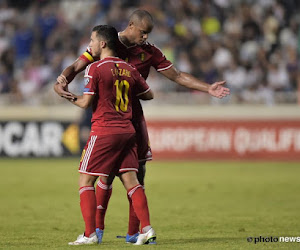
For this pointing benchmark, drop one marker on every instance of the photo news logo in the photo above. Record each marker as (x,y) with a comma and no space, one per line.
(281,239)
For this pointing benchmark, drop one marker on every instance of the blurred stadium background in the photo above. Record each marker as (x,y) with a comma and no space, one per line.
(253,45)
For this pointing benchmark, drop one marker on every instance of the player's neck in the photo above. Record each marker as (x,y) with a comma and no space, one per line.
(123,36)
(107,53)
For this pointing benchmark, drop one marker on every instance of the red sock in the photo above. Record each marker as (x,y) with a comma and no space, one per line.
(103,193)
(140,205)
(88,208)
(134,222)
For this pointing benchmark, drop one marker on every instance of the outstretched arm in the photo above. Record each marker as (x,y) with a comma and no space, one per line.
(67,76)
(187,80)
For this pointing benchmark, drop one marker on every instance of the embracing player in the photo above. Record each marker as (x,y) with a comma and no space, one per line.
(110,85)
(134,48)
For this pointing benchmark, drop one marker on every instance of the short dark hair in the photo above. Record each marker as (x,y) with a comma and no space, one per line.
(140,15)
(108,33)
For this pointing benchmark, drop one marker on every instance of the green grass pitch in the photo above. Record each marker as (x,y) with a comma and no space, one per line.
(193,205)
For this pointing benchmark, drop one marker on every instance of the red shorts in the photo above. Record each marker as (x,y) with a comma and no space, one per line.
(106,154)
(142,139)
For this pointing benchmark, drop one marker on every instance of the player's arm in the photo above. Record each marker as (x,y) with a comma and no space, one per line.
(141,87)
(70,72)
(91,88)
(216,89)
(148,95)
(82,101)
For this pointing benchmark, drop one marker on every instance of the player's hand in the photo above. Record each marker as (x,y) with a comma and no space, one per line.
(62,80)
(218,90)
(63,91)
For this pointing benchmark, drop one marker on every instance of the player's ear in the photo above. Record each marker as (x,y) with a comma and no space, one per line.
(131,24)
(102,44)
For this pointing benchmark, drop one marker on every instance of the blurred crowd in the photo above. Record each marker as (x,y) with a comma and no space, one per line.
(251,44)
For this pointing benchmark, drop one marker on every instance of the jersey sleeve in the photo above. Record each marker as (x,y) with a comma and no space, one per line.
(160,62)
(140,87)
(90,80)
(87,56)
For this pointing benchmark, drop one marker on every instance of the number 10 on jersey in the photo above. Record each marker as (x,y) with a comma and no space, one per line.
(122,88)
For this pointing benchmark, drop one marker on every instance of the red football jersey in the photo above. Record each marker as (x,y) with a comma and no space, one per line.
(114,84)
(142,57)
